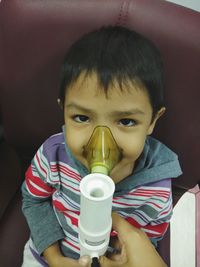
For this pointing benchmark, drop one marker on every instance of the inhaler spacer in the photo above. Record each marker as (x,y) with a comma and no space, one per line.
(97,189)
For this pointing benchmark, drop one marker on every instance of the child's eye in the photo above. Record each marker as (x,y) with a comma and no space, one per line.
(127,122)
(81,118)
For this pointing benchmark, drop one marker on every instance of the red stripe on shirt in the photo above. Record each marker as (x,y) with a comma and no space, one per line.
(159,229)
(69,243)
(38,160)
(32,180)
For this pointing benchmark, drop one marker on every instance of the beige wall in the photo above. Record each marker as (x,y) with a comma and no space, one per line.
(194,4)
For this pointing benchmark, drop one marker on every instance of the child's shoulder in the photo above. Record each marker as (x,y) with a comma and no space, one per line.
(158,160)
(157,150)
(54,140)
(53,148)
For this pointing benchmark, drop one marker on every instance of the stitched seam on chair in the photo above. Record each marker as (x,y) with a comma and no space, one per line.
(120,14)
(123,13)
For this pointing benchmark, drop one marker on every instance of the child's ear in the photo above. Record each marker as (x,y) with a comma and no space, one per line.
(60,104)
(156,117)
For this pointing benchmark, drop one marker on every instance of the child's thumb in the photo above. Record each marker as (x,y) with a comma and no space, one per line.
(104,261)
(85,261)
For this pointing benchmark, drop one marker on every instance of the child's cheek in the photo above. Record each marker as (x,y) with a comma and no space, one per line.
(133,150)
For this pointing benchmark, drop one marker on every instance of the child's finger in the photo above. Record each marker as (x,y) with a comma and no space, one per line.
(121,226)
(85,261)
(105,262)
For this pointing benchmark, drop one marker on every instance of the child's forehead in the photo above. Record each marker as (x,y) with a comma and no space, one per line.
(87,93)
(93,80)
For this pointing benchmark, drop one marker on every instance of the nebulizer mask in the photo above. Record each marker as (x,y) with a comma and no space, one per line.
(97,188)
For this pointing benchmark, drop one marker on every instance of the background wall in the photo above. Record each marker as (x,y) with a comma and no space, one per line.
(194,4)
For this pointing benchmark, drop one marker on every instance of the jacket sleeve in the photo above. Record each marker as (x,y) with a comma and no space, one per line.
(37,204)
(157,228)
(154,215)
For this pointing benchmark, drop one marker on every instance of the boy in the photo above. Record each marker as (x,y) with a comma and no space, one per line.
(111,77)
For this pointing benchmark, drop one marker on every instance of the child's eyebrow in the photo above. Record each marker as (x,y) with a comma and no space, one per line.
(116,113)
(76,106)
(134,111)
(127,113)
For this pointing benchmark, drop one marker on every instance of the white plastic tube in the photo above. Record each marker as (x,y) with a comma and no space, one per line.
(95,220)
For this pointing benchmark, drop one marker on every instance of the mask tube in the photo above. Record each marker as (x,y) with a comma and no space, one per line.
(96,190)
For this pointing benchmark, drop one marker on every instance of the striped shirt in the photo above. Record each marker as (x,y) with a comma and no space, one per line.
(51,195)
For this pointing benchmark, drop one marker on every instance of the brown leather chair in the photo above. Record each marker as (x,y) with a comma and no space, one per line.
(34,36)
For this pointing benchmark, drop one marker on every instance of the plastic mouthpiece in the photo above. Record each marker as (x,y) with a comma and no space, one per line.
(95,262)
(102,151)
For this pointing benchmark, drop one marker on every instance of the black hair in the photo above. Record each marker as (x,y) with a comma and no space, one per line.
(119,54)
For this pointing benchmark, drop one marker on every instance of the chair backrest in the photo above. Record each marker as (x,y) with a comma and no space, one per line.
(34,36)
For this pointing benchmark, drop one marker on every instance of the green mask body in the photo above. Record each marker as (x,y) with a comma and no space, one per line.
(102,152)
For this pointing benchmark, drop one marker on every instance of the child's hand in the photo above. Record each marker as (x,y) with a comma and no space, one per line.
(54,258)
(68,262)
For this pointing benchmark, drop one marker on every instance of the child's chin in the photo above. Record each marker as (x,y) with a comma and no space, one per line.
(83,161)
(121,170)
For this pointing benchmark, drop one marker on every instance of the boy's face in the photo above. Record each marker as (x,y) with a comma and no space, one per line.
(127,113)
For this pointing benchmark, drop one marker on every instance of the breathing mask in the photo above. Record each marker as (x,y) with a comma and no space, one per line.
(102,152)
